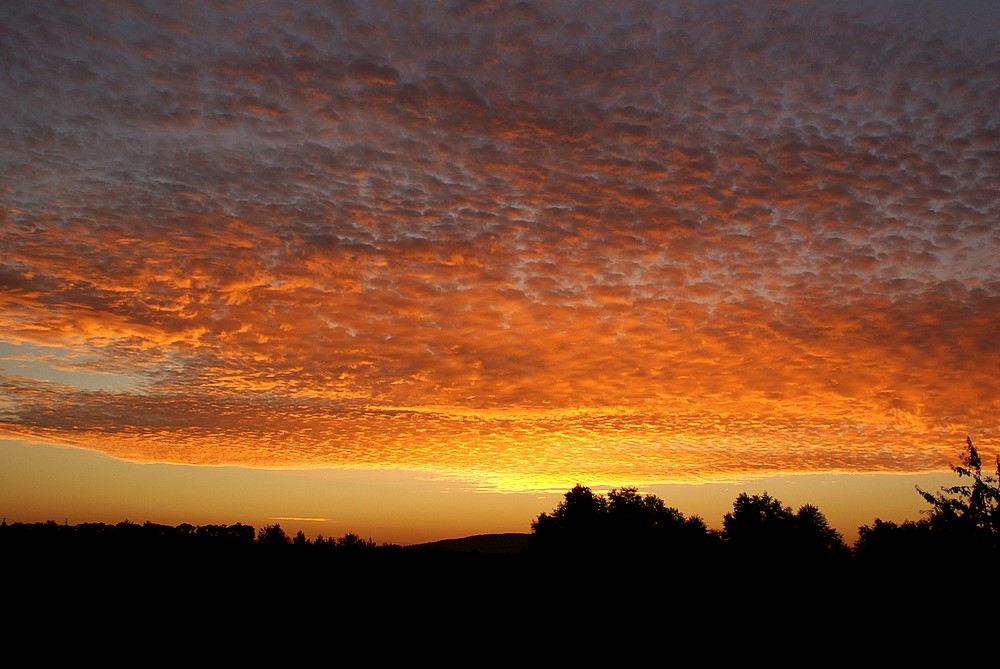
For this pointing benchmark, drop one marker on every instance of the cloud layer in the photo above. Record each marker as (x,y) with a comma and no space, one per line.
(631,241)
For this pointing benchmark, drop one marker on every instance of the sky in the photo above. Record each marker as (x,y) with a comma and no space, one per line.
(415,269)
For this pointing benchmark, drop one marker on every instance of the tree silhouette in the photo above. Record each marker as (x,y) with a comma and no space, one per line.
(581,510)
(354,542)
(631,513)
(815,536)
(575,524)
(623,526)
(645,522)
(272,535)
(968,516)
(887,543)
(757,521)
(761,528)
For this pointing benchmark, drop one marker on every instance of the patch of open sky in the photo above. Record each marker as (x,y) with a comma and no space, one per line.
(58,365)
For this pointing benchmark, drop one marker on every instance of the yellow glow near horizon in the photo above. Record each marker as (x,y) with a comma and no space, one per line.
(41,483)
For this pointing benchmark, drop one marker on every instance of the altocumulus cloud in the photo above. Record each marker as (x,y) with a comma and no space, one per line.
(513,241)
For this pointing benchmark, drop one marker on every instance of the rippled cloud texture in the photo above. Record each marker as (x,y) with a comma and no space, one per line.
(514,241)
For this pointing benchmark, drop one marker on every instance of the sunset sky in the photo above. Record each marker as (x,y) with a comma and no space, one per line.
(413,270)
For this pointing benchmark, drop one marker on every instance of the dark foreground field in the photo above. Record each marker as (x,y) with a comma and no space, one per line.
(146,583)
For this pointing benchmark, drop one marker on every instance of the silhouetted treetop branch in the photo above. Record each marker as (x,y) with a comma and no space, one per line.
(970,513)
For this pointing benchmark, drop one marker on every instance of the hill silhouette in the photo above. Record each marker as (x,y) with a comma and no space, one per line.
(502,543)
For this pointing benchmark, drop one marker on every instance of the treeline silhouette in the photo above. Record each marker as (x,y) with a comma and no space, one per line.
(623,541)
(153,536)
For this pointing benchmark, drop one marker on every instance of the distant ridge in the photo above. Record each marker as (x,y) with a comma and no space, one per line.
(511,542)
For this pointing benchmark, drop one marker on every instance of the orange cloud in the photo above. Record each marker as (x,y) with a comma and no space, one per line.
(510,242)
